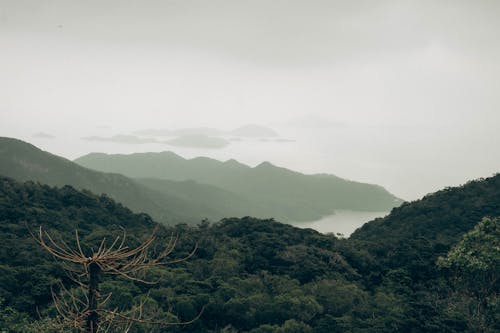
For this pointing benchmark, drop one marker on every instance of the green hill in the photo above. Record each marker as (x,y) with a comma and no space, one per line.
(269,190)
(416,233)
(232,254)
(23,161)
(26,272)
(258,276)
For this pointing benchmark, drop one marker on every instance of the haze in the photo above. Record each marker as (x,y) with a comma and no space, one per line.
(405,94)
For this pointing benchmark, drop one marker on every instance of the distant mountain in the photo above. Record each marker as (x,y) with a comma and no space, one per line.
(270,190)
(217,203)
(249,131)
(23,161)
(200,188)
(198,141)
(254,131)
(125,139)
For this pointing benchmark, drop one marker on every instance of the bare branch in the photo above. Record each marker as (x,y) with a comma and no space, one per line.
(86,310)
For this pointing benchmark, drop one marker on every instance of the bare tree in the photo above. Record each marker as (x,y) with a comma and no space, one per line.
(83,309)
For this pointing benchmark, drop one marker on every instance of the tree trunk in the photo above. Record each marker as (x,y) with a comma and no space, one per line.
(93,317)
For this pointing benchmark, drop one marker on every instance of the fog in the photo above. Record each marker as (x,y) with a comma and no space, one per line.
(405,94)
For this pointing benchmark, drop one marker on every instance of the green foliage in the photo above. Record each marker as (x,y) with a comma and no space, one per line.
(10,319)
(474,265)
(478,252)
(254,275)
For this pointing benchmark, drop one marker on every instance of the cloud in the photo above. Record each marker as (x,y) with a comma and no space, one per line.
(199,141)
(126,139)
(42,135)
(263,31)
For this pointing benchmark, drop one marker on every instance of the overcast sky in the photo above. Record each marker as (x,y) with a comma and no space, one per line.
(405,94)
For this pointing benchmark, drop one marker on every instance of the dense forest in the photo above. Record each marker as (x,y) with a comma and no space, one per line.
(423,268)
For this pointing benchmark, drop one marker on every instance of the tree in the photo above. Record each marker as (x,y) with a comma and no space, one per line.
(474,264)
(83,309)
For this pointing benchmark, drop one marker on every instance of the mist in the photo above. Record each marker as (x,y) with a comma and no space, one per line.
(404,94)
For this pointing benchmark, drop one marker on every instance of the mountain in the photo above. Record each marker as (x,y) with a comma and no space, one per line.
(219,189)
(254,131)
(270,191)
(218,203)
(23,161)
(198,141)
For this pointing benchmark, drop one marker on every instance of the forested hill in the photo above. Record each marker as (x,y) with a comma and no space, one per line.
(278,190)
(247,273)
(258,276)
(416,233)
(26,272)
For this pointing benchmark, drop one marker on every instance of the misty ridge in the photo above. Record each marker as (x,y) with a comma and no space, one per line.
(174,189)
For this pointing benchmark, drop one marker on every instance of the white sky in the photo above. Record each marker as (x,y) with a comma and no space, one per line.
(405,94)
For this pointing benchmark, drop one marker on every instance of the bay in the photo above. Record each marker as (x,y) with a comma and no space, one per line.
(344,222)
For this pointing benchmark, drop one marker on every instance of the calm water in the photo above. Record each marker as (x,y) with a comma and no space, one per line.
(343,221)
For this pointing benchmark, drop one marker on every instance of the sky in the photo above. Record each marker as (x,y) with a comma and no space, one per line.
(405,94)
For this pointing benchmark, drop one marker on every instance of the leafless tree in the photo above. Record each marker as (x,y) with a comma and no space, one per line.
(83,309)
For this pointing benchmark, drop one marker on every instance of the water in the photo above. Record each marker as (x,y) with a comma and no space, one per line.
(343,221)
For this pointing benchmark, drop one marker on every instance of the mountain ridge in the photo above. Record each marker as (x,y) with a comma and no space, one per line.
(23,161)
(288,190)
(233,189)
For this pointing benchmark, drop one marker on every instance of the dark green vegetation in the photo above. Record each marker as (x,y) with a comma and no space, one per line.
(474,265)
(268,191)
(175,201)
(263,276)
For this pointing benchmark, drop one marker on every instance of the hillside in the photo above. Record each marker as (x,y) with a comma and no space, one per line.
(220,203)
(23,161)
(416,233)
(232,254)
(26,272)
(250,275)
(275,191)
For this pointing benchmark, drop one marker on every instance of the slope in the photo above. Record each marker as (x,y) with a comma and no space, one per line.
(23,161)
(415,234)
(274,191)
